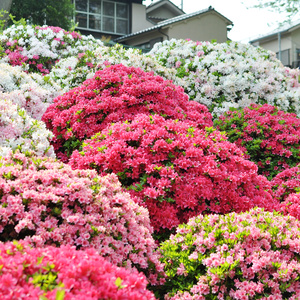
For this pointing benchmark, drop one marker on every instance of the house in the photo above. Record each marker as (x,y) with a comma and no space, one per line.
(203,25)
(131,23)
(285,42)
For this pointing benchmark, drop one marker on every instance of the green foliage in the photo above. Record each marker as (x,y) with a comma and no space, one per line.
(51,12)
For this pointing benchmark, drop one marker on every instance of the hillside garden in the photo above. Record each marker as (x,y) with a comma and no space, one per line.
(169,175)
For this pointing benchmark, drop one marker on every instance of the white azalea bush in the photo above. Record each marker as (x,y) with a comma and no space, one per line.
(230,74)
(33,92)
(37,48)
(74,70)
(18,131)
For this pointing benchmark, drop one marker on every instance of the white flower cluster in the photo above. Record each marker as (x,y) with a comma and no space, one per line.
(44,45)
(230,74)
(72,71)
(18,131)
(33,92)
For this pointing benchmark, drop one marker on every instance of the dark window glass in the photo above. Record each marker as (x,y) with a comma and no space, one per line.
(109,9)
(95,22)
(81,19)
(95,6)
(122,11)
(81,5)
(108,24)
(122,26)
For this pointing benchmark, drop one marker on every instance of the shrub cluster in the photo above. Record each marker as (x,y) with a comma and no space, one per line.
(37,49)
(18,131)
(65,273)
(72,71)
(268,136)
(116,93)
(252,255)
(33,92)
(286,187)
(175,169)
(45,202)
(232,74)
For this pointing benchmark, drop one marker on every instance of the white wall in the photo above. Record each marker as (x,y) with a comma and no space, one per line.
(139,21)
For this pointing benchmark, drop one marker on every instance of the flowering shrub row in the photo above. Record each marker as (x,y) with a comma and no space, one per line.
(252,255)
(37,49)
(32,92)
(269,137)
(65,273)
(74,70)
(18,131)
(45,202)
(230,74)
(175,169)
(116,93)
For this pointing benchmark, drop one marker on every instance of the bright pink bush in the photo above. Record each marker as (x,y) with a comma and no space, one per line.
(251,255)
(45,202)
(286,187)
(176,170)
(114,94)
(268,136)
(65,273)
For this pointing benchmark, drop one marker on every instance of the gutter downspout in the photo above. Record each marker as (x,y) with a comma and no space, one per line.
(279,46)
(159,30)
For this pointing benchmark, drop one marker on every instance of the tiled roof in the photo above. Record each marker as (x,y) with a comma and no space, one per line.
(167,22)
(281,29)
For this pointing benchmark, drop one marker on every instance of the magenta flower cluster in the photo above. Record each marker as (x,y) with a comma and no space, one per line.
(252,255)
(286,187)
(116,93)
(175,169)
(45,202)
(65,273)
(269,137)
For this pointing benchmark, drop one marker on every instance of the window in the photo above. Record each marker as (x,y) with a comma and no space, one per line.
(285,57)
(100,15)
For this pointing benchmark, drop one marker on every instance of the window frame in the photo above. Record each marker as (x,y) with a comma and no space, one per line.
(88,14)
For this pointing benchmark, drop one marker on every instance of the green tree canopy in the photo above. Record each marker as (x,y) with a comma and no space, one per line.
(51,12)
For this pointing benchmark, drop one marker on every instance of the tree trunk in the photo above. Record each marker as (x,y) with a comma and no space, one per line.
(5,5)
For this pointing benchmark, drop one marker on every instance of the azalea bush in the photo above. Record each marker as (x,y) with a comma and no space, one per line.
(268,136)
(45,202)
(65,273)
(232,74)
(175,169)
(72,71)
(18,131)
(286,187)
(116,93)
(37,48)
(33,92)
(251,255)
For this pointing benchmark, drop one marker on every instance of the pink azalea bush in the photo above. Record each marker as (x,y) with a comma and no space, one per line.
(175,169)
(37,48)
(286,187)
(232,74)
(251,255)
(65,273)
(268,136)
(45,202)
(116,93)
